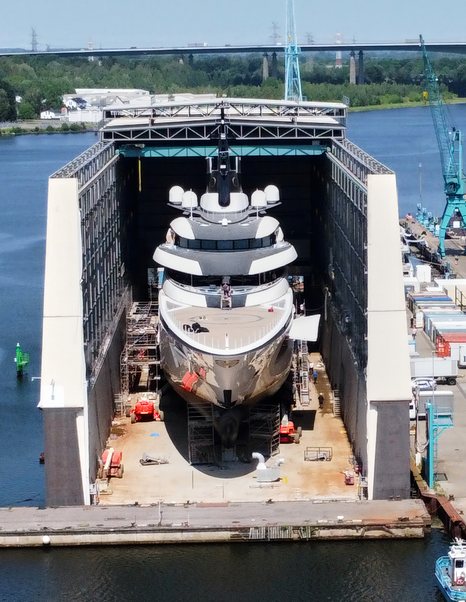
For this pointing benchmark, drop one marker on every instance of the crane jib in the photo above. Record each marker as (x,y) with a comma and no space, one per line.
(449,141)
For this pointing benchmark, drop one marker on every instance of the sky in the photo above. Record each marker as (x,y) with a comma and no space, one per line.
(152,23)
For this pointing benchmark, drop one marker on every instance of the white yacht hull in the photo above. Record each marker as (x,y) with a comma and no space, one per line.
(229,383)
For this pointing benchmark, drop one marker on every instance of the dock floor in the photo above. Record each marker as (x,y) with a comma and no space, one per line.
(177,481)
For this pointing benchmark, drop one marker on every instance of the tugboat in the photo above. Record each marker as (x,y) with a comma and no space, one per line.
(450,571)
(226,307)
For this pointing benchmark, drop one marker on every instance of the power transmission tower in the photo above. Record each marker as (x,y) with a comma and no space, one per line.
(33,40)
(275,36)
(292,76)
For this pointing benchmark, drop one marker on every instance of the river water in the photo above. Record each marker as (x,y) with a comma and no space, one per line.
(404,141)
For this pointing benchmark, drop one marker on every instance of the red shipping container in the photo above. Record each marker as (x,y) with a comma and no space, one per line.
(442,343)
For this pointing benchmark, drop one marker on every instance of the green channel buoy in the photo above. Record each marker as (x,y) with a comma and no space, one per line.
(21,361)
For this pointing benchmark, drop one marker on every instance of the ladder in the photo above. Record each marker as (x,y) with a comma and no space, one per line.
(336,403)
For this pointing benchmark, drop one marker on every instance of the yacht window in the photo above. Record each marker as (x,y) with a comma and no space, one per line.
(216,280)
(459,564)
(227,245)
(241,244)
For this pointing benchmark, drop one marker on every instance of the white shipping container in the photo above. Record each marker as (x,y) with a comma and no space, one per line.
(440,368)
(424,272)
(419,319)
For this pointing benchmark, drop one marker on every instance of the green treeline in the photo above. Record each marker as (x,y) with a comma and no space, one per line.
(41,81)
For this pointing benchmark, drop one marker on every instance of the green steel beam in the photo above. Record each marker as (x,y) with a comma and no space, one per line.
(131,150)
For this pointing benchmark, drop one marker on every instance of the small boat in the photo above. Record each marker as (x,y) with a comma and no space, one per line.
(450,571)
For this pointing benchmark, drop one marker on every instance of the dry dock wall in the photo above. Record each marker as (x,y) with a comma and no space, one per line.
(63,395)
(84,320)
(388,368)
(364,339)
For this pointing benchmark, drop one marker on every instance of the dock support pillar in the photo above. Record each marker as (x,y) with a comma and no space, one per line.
(265,67)
(360,68)
(352,68)
(274,70)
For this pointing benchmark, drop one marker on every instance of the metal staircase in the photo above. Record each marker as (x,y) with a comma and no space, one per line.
(300,372)
(336,403)
(439,419)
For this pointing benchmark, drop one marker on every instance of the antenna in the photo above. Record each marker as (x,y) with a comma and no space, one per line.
(292,76)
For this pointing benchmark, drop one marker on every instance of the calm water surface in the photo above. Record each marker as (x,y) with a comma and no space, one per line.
(403,140)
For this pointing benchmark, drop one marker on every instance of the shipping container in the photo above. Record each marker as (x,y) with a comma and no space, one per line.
(443,369)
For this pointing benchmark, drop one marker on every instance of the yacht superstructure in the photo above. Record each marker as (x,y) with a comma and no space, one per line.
(226,307)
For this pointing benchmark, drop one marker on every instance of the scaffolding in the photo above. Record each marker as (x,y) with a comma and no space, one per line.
(264,427)
(300,371)
(259,432)
(201,436)
(140,358)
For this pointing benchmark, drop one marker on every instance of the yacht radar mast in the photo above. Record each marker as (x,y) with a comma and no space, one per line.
(223,179)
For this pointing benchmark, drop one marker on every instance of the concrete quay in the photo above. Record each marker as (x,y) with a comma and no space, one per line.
(203,523)
(448,499)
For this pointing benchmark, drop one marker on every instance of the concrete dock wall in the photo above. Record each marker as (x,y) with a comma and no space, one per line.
(364,342)
(102,393)
(388,369)
(345,378)
(200,523)
(63,397)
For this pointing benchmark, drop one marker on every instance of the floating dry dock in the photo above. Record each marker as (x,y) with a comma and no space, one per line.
(203,523)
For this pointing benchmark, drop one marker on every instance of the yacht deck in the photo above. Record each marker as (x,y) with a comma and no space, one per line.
(227,329)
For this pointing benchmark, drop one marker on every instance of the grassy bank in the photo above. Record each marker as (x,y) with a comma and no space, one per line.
(403,105)
(37,126)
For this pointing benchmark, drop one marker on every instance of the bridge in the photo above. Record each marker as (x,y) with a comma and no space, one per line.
(356,47)
(356,65)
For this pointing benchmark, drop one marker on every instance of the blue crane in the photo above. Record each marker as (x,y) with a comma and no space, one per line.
(451,152)
(292,75)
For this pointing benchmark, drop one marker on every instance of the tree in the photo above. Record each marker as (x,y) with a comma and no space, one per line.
(26,110)
(7,102)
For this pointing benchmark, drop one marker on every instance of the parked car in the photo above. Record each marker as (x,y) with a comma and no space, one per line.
(424,384)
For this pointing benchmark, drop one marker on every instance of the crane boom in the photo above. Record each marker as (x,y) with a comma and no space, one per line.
(449,141)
